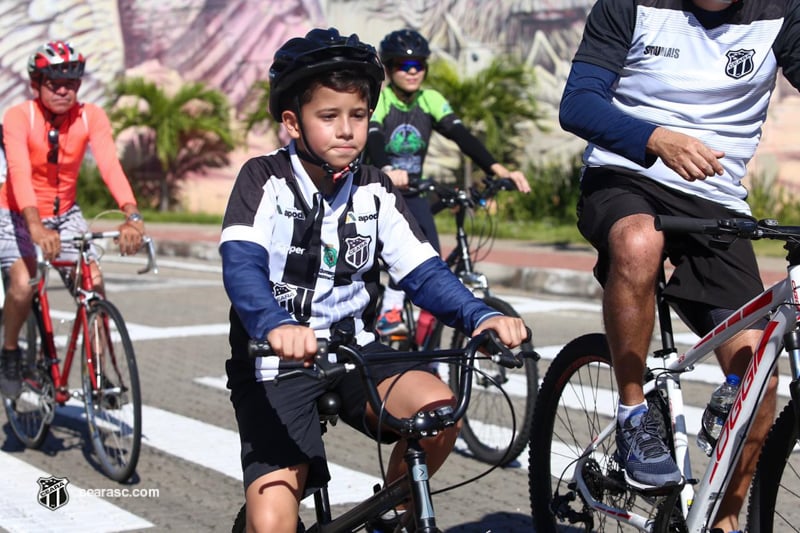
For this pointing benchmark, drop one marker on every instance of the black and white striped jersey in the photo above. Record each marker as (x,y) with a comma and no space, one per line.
(695,72)
(324,252)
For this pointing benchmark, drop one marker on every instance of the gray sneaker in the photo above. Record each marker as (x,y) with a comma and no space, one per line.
(10,373)
(648,463)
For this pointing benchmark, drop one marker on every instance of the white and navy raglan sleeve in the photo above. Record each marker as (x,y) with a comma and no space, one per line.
(244,245)
(586,108)
(787,45)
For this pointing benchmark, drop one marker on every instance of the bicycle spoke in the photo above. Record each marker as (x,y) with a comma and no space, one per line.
(111,391)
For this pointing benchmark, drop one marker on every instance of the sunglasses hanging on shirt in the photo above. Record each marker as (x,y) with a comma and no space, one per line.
(52,139)
(52,158)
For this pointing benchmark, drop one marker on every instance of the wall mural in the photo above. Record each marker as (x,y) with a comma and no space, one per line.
(229,45)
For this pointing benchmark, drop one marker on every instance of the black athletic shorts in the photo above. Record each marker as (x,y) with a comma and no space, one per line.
(706,277)
(279,424)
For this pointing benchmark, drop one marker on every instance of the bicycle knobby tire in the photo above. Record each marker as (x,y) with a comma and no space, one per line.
(774,499)
(577,371)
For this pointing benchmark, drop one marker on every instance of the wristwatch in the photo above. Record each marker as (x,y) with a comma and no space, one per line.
(135,217)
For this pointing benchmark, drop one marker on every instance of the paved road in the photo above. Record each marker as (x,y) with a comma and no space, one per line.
(188,475)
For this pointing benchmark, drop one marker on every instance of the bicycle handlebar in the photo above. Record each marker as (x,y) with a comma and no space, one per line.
(147,243)
(744,228)
(451,196)
(347,358)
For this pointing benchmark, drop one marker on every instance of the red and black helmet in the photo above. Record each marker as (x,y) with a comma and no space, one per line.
(321,51)
(56,60)
(404,44)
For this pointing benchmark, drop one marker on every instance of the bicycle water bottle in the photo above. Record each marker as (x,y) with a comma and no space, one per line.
(716,413)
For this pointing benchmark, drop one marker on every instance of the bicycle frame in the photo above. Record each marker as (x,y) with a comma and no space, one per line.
(84,293)
(460,261)
(780,303)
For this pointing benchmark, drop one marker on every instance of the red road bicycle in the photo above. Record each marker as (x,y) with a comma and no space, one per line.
(109,385)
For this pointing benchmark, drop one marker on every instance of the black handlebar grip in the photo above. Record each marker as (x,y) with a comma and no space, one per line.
(259,348)
(671,224)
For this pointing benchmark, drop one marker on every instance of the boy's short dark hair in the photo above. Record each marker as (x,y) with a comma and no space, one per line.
(345,80)
(321,51)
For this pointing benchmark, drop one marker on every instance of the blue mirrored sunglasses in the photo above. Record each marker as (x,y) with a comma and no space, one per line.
(408,64)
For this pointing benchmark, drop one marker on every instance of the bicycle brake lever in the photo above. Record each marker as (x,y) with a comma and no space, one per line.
(148,243)
(299,372)
(41,266)
(508,359)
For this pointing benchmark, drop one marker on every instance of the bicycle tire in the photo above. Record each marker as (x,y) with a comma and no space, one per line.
(114,407)
(771,501)
(487,424)
(31,414)
(577,399)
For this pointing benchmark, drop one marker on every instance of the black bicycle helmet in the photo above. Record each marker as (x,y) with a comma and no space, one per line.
(404,44)
(321,51)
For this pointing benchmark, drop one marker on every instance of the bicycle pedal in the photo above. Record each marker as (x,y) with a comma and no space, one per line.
(666,490)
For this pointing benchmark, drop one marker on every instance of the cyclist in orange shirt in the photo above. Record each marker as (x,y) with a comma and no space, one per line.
(45,140)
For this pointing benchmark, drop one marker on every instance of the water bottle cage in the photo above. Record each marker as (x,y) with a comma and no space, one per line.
(717,412)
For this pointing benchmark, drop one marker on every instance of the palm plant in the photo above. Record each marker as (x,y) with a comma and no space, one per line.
(177,134)
(497,104)
(260,114)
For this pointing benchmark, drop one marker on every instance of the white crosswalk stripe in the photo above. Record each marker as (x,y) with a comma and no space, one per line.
(22,512)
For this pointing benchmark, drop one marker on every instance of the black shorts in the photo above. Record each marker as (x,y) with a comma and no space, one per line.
(279,424)
(706,277)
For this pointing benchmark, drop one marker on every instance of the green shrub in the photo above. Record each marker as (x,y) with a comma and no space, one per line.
(93,195)
(554,194)
(768,199)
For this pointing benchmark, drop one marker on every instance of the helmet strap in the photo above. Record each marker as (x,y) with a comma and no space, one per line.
(309,156)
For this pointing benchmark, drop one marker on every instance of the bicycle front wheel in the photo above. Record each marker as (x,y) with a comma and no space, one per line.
(31,414)
(577,401)
(112,398)
(774,496)
(487,426)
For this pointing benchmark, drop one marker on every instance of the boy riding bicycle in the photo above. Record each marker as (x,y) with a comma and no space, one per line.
(303,233)
(399,136)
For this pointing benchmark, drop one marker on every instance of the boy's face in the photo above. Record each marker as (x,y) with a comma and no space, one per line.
(408,74)
(335,125)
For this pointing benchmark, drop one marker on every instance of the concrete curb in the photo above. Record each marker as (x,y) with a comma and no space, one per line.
(554,281)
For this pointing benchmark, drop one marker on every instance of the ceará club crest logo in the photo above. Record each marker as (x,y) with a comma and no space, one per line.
(53,492)
(740,63)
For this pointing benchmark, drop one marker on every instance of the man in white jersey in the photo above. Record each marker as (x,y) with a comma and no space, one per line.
(671,96)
